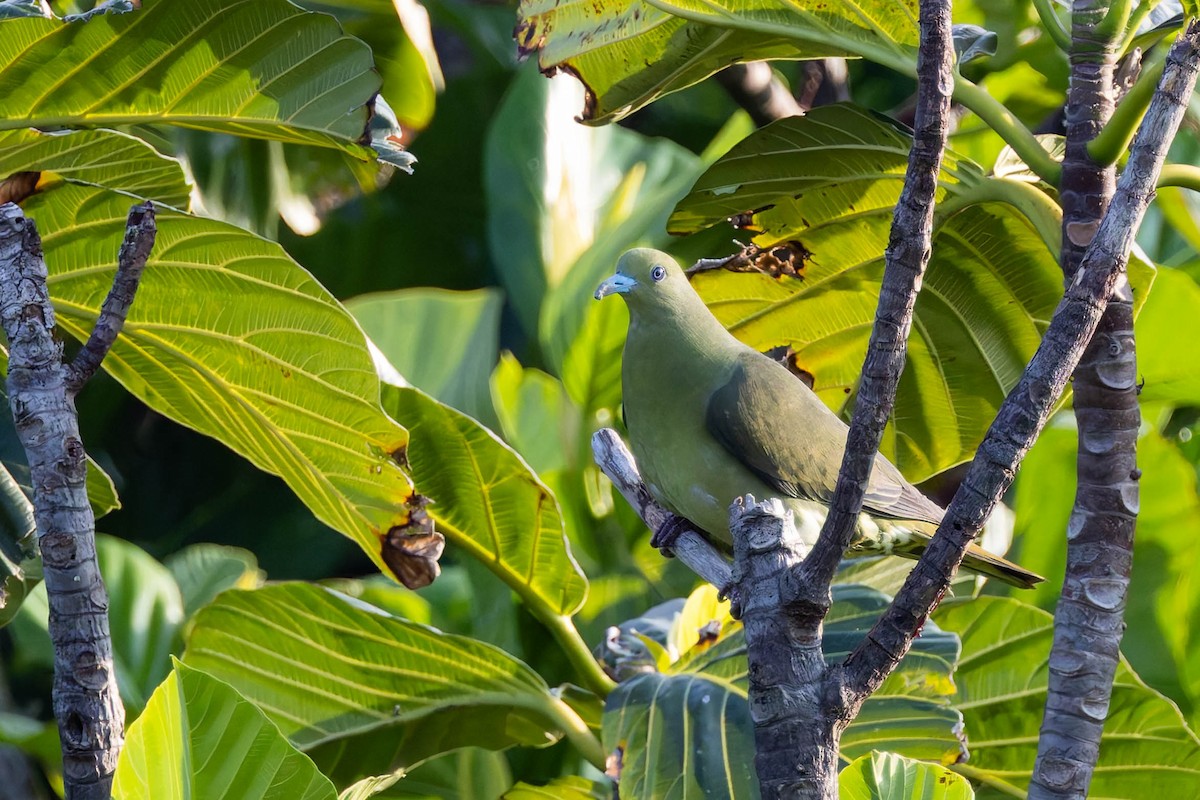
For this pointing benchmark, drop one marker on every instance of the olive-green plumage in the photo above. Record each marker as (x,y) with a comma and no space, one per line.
(711,419)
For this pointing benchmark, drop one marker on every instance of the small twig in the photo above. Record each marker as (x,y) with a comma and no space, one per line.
(755,88)
(696,552)
(1028,406)
(140,232)
(907,255)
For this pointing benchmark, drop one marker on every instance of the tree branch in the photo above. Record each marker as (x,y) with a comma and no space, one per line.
(795,723)
(907,255)
(86,702)
(1089,619)
(140,231)
(754,87)
(690,547)
(1028,405)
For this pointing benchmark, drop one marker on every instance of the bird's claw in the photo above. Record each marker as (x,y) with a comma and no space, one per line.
(667,533)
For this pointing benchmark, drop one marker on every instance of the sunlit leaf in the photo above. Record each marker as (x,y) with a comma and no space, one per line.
(887,776)
(488,502)
(824,187)
(99,158)
(1146,749)
(361,690)
(569,788)
(627,54)
(261,68)
(198,738)
(231,337)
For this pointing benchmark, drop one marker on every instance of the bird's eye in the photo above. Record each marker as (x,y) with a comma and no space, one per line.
(658,273)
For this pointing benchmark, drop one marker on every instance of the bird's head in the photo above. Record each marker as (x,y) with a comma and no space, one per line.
(648,279)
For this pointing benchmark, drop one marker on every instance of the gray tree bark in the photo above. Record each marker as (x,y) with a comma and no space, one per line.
(1089,619)
(86,702)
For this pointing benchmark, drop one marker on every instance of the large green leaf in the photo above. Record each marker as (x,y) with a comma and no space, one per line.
(1164,596)
(1167,329)
(660,720)
(887,776)
(684,736)
(198,738)
(628,54)
(1146,750)
(20,566)
(99,158)
(203,571)
(444,343)
(364,691)
(882,30)
(261,68)
(565,201)
(399,35)
(231,337)
(826,185)
(145,612)
(488,502)
(569,788)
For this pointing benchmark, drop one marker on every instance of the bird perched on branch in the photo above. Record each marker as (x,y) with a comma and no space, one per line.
(711,419)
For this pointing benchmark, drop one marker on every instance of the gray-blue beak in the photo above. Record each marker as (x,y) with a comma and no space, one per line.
(615,284)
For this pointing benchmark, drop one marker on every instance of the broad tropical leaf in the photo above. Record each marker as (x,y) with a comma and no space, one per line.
(659,720)
(628,54)
(363,691)
(444,343)
(887,776)
(823,188)
(568,788)
(261,68)
(1146,751)
(99,158)
(203,571)
(231,337)
(198,738)
(488,502)
(145,614)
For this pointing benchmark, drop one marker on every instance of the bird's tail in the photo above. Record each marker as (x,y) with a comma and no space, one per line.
(979,560)
(976,559)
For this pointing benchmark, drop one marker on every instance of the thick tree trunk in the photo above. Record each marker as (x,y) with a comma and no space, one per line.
(1090,613)
(797,727)
(85,698)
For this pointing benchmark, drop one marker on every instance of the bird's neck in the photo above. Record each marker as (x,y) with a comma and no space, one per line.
(690,333)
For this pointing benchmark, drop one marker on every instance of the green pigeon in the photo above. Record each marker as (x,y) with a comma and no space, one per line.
(711,419)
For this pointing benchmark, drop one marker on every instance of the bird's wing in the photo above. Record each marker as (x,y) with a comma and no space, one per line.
(782,432)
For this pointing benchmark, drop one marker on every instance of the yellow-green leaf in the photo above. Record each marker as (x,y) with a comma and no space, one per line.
(198,738)
(262,68)
(231,337)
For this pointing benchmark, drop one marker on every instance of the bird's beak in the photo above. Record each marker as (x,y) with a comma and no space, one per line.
(615,284)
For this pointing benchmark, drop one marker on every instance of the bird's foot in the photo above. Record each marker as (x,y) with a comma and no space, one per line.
(732,592)
(667,533)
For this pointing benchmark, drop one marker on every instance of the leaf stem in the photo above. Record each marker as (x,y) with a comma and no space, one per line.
(1034,204)
(1052,24)
(575,648)
(1183,176)
(578,733)
(1135,20)
(1010,129)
